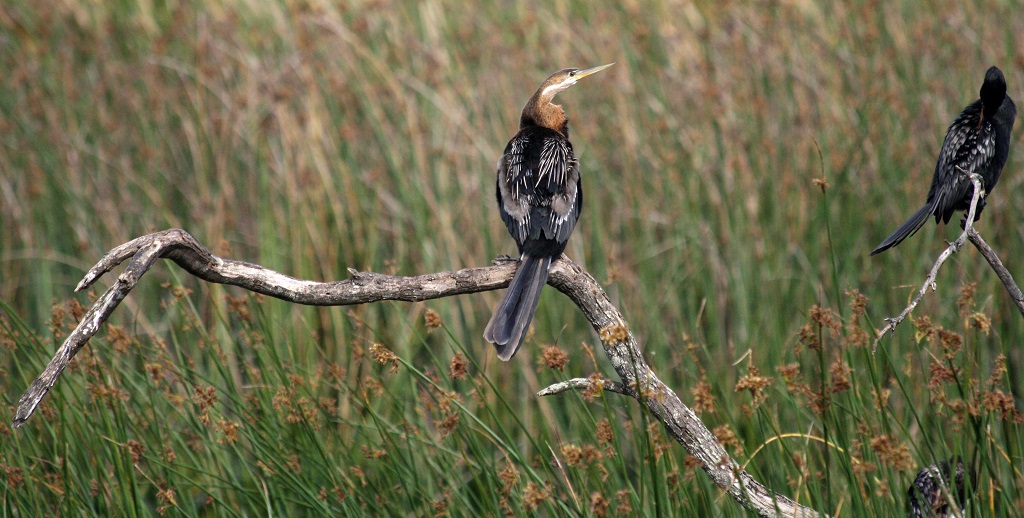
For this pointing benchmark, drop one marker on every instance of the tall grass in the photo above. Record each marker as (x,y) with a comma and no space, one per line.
(311,138)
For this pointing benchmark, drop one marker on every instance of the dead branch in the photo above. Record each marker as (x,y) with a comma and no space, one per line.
(969,233)
(997,266)
(622,348)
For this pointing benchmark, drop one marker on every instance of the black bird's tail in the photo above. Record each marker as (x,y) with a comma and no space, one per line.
(907,229)
(513,315)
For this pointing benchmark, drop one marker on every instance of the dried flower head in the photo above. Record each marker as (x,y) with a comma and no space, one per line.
(598,504)
(432,319)
(508,476)
(384,356)
(727,438)
(703,399)
(892,452)
(979,321)
(534,495)
(755,383)
(555,358)
(614,333)
(458,368)
(840,374)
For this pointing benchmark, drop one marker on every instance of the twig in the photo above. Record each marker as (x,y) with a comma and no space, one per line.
(929,281)
(588,384)
(619,343)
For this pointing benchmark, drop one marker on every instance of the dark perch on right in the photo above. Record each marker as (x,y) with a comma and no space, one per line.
(978,141)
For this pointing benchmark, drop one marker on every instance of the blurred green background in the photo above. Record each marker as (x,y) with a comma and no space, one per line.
(311,137)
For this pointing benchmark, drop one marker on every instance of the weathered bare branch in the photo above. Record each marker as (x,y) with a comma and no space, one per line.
(622,348)
(588,384)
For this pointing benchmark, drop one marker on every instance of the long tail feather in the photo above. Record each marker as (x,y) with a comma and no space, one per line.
(513,315)
(907,229)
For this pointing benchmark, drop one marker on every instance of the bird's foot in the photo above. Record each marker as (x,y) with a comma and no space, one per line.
(963,220)
(503,259)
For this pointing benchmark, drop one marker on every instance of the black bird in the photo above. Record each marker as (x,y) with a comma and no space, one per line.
(929,495)
(539,197)
(978,141)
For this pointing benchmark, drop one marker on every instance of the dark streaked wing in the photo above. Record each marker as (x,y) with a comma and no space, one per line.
(513,188)
(969,147)
(559,183)
(539,192)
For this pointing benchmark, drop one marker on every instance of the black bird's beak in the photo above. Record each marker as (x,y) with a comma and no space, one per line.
(593,70)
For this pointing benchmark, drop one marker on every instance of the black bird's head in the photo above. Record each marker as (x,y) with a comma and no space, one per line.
(565,78)
(993,91)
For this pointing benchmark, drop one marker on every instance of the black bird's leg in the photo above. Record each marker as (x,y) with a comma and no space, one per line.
(977,214)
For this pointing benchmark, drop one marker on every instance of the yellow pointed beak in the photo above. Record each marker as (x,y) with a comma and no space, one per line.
(593,70)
